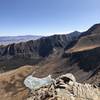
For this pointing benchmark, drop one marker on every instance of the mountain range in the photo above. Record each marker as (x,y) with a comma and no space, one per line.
(33,51)
(76,53)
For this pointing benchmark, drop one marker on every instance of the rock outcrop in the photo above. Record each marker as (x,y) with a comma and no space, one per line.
(65,87)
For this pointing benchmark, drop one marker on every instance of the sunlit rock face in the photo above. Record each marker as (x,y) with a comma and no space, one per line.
(65,87)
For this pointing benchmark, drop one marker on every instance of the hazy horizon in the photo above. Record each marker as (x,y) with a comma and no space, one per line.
(47,34)
(47,17)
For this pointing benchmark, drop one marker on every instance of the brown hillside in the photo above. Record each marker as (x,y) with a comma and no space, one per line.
(11,84)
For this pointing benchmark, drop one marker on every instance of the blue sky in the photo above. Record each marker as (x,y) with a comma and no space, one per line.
(47,17)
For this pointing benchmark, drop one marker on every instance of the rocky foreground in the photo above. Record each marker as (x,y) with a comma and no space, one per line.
(65,87)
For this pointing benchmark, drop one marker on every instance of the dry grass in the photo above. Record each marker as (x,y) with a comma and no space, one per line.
(84,48)
(11,84)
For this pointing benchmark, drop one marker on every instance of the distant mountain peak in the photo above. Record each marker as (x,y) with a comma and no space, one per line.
(76,31)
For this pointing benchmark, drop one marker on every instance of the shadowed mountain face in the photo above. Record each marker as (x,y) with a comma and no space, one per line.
(41,47)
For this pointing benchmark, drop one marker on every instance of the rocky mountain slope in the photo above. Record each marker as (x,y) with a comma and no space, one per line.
(40,47)
(32,52)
